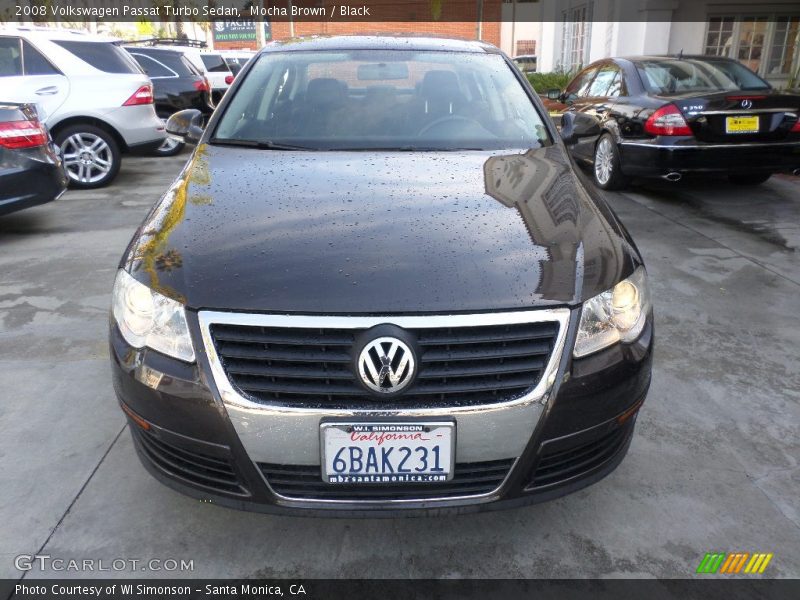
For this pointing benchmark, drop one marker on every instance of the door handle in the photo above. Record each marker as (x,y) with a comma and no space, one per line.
(47,91)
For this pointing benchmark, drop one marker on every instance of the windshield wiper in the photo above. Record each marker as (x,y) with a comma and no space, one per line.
(261,145)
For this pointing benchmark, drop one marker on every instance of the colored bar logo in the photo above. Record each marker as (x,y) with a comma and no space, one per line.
(734,563)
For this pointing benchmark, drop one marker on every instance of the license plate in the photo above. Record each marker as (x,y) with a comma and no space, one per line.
(387,453)
(741,125)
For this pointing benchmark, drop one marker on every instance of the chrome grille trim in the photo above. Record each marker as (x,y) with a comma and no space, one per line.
(231,396)
(290,434)
(315,367)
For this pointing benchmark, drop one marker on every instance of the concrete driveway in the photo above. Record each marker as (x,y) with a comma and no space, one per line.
(713,465)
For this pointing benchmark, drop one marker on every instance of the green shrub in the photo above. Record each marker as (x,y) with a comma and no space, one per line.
(542,82)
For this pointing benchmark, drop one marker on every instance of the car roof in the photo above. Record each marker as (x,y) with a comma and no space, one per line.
(674,57)
(146,49)
(379,42)
(54,33)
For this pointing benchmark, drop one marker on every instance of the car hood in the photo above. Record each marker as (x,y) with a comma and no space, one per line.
(374,232)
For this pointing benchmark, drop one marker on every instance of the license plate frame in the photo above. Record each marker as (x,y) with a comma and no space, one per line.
(332,434)
(742,124)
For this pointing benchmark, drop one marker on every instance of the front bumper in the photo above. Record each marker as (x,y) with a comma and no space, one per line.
(571,432)
(652,158)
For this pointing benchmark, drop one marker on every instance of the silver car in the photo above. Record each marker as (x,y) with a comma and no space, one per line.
(95,99)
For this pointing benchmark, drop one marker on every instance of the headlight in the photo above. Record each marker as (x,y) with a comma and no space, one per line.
(146,318)
(617,315)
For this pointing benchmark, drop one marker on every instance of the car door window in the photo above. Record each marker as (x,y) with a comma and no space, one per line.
(617,86)
(153,68)
(579,86)
(10,57)
(602,82)
(34,63)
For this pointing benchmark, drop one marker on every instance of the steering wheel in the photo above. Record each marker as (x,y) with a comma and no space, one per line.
(445,119)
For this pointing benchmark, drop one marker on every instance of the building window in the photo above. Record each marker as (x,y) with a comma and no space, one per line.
(784,46)
(720,36)
(526,47)
(575,47)
(767,44)
(752,35)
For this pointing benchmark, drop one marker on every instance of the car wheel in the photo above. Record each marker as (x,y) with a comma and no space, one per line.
(171,146)
(607,172)
(91,156)
(749,179)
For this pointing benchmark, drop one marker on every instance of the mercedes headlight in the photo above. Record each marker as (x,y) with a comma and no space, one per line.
(616,315)
(147,318)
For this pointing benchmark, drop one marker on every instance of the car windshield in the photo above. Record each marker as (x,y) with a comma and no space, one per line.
(382,99)
(691,75)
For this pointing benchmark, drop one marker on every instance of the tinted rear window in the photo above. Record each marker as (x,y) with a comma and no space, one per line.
(191,66)
(10,57)
(170,59)
(214,62)
(101,55)
(153,67)
(679,76)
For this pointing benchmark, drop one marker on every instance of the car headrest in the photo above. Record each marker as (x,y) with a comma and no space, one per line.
(326,90)
(440,85)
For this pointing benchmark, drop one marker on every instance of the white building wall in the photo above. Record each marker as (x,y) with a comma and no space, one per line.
(528,26)
(687,36)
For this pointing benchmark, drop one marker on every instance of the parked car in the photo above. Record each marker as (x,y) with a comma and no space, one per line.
(526,63)
(365,297)
(217,71)
(668,116)
(236,59)
(98,103)
(177,85)
(31,171)
(208,62)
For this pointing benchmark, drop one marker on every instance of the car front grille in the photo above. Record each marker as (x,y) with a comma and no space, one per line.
(210,472)
(556,467)
(305,483)
(458,366)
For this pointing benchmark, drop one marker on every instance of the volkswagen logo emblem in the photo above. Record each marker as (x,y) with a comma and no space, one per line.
(386,365)
(747,104)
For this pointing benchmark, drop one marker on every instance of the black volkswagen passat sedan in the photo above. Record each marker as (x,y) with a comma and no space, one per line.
(380,285)
(671,116)
(31,169)
(177,85)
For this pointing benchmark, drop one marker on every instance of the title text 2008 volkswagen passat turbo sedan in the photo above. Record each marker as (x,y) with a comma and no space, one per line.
(378,286)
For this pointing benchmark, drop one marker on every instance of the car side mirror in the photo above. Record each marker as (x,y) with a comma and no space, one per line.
(554,94)
(186,125)
(575,126)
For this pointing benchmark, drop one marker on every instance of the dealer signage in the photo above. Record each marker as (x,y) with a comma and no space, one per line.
(243,30)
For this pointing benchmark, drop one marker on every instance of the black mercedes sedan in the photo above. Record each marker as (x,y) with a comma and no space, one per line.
(668,116)
(379,286)
(31,169)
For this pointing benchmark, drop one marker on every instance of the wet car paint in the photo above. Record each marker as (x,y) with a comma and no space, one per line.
(366,232)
